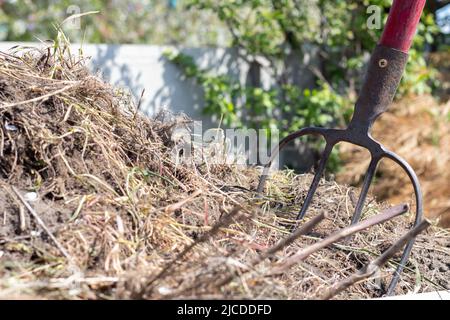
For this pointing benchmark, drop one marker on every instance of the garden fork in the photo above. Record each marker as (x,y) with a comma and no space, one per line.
(383,76)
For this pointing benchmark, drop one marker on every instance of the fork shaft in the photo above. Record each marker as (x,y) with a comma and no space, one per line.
(380,84)
(387,64)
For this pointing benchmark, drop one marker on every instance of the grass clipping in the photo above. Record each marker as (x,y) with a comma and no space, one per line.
(92,205)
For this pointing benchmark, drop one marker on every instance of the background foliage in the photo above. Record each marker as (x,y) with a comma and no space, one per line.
(118,21)
(282,33)
(326,41)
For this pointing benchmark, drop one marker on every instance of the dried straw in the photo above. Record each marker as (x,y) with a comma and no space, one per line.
(116,203)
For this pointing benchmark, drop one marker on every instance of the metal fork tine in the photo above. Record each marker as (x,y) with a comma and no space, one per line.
(419,213)
(365,189)
(401,265)
(315,183)
(281,145)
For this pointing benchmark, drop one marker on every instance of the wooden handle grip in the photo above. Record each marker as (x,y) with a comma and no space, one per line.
(402,23)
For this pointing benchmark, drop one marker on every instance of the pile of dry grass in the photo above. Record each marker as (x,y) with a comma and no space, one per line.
(93,206)
(418,129)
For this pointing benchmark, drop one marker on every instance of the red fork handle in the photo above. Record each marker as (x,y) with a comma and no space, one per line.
(388,63)
(401,25)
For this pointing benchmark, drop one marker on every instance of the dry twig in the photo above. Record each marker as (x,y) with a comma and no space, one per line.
(338,235)
(372,268)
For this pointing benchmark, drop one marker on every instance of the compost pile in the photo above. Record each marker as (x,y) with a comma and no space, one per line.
(94,206)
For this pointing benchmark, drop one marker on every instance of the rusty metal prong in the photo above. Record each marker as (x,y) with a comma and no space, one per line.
(304,253)
(315,183)
(365,189)
(281,145)
(370,269)
(419,212)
